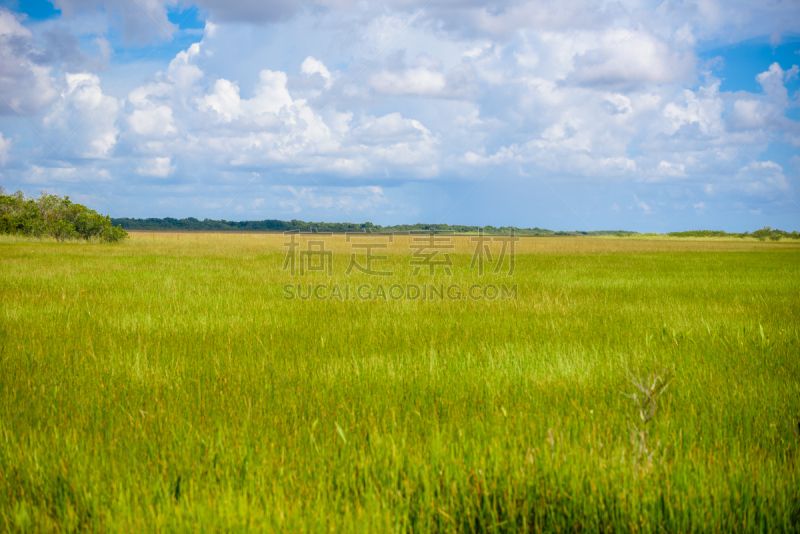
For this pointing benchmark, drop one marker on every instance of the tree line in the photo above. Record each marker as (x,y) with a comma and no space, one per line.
(192,224)
(60,218)
(762,235)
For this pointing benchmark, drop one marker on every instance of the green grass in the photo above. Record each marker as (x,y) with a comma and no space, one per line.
(164,384)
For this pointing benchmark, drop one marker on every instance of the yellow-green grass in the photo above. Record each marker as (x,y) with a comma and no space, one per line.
(165,384)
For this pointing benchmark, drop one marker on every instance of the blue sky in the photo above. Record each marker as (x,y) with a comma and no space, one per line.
(637,115)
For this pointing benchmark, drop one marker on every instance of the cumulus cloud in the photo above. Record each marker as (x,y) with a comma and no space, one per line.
(623,58)
(346,199)
(618,104)
(224,101)
(63,48)
(762,178)
(90,114)
(765,111)
(5,146)
(428,78)
(396,140)
(702,109)
(642,205)
(154,122)
(710,19)
(415,81)
(665,168)
(253,11)
(270,128)
(313,66)
(271,98)
(391,129)
(158,167)
(25,84)
(141,21)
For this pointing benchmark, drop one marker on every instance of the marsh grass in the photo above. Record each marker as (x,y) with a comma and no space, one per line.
(163,384)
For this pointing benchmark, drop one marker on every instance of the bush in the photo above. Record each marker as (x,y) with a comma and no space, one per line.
(774,235)
(53,216)
(762,235)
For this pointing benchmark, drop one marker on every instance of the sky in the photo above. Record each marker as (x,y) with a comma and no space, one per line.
(651,116)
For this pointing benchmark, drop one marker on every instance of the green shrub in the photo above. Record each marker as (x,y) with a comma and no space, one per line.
(53,216)
(762,235)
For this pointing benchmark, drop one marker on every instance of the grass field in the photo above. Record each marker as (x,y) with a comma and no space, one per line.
(166,384)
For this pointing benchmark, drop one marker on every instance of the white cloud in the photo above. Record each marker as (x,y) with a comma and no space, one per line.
(624,58)
(182,72)
(665,168)
(708,19)
(154,122)
(5,146)
(345,200)
(429,78)
(313,66)
(25,85)
(618,104)
(703,108)
(142,21)
(762,178)
(765,111)
(395,139)
(642,205)
(106,51)
(390,129)
(416,81)
(269,128)
(224,101)
(749,114)
(158,167)
(272,95)
(88,115)
(772,81)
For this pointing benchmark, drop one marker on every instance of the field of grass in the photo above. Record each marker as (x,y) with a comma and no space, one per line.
(165,384)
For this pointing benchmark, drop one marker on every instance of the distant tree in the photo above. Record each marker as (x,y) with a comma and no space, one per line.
(53,216)
(762,235)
